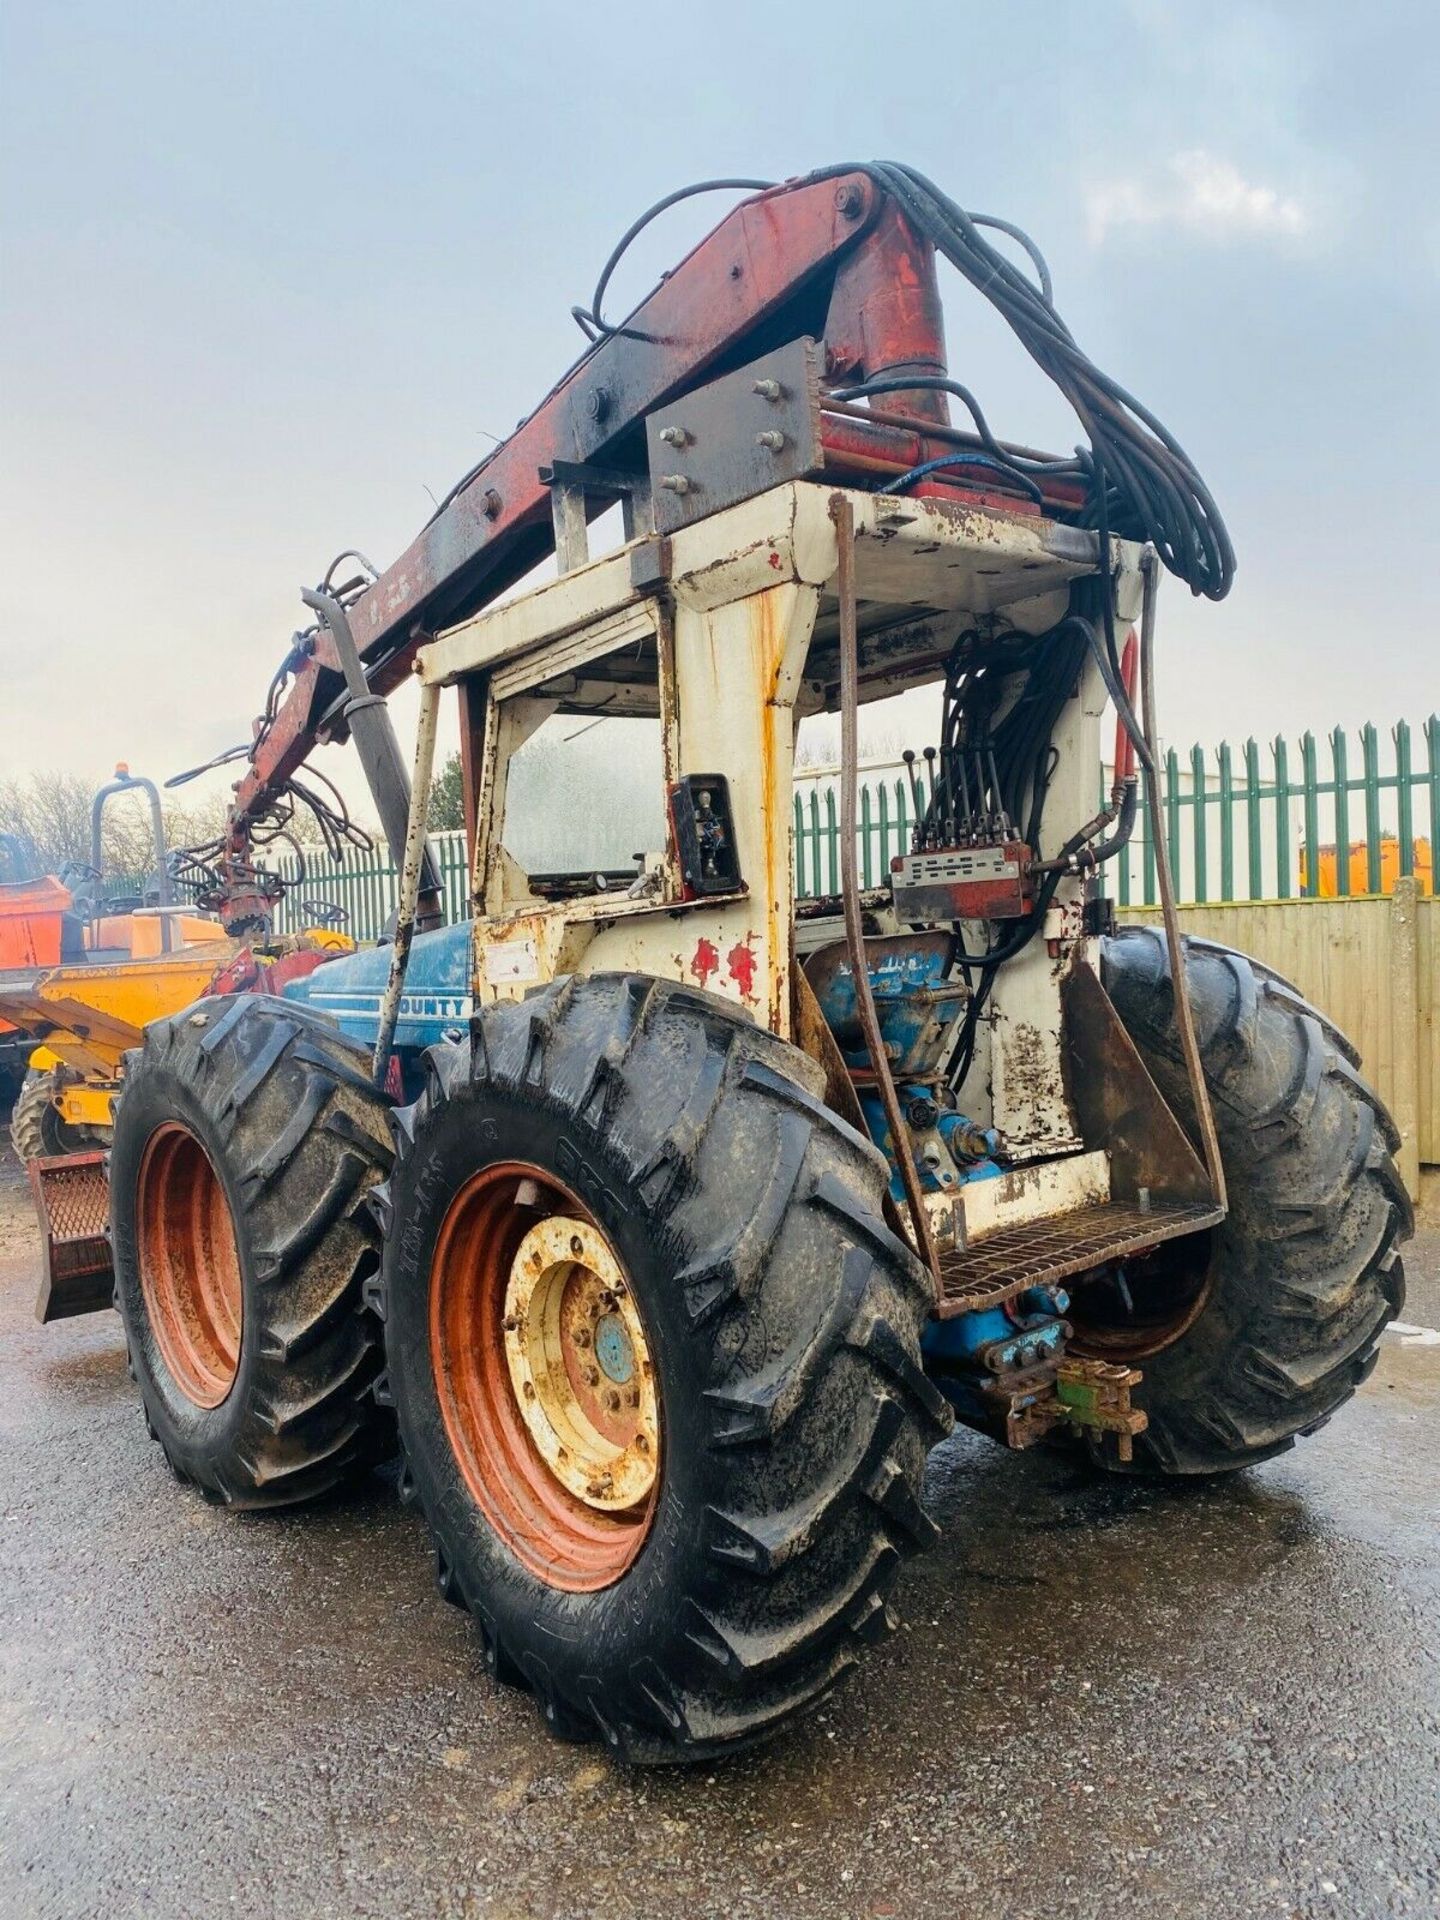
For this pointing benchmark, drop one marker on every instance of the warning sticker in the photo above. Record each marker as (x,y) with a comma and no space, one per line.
(509,960)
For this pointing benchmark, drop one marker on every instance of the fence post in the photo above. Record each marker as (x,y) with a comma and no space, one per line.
(1405,1029)
(1432,745)
(1370,760)
(799,813)
(1340,763)
(1254,859)
(1227,823)
(1404,797)
(1310,779)
(1282,818)
(1149,827)
(1199,797)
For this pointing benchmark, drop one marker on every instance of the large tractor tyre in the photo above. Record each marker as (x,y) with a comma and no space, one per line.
(36,1130)
(1255,1333)
(655,1360)
(247,1139)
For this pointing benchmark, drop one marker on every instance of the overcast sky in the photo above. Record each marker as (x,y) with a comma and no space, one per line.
(270,271)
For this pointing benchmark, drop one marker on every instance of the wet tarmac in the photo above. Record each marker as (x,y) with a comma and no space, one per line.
(1108,1700)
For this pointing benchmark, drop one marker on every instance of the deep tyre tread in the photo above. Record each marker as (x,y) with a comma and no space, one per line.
(1305,1270)
(784,1320)
(299,1137)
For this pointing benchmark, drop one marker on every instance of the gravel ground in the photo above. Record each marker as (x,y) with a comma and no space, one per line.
(1109,1699)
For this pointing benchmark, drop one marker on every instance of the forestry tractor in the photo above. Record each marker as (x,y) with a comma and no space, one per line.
(664,1220)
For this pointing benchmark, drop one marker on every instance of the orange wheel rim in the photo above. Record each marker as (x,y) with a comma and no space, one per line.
(189,1265)
(542,1368)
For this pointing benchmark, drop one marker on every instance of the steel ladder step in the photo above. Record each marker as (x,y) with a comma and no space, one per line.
(1032,1253)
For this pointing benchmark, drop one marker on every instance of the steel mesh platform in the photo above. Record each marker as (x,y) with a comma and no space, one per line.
(72,1198)
(1006,1262)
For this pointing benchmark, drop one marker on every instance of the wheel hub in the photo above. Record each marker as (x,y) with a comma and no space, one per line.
(579,1365)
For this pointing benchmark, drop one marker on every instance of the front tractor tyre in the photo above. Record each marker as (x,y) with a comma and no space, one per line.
(1252,1334)
(654,1356)
(247,1139)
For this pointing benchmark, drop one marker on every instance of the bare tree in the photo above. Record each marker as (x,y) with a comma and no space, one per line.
(52,810)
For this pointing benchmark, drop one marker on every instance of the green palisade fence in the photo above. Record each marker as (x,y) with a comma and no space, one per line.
(1239,824)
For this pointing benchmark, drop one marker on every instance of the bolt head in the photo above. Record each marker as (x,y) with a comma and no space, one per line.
(491,505)
(849,200)
(612,1401)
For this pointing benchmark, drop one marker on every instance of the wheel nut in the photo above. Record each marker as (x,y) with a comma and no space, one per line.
(632,1398)
(576,1244)
(612,1401)
(582,1336)
(642,1443)
(592,1376)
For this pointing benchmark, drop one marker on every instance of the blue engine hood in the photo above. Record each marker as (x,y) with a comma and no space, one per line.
(436,997)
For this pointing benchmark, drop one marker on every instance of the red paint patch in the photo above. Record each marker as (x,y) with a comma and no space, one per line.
(740,963)
(706,960)
(775,561)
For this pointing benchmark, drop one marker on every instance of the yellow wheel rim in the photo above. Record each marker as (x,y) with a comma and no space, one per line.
(580,1365)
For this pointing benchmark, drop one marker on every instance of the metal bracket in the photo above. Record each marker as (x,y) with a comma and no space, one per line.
(573,484)
(1121,1109)
(739,436)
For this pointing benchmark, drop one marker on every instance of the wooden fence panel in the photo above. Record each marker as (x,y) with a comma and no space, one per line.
(1371,965)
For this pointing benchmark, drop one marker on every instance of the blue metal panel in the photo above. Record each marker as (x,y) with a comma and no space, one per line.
(436,998)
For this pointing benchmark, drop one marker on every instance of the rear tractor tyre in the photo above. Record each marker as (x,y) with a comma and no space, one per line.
(36,1130)
(1254,1334)
(654,1356)
(247,1139)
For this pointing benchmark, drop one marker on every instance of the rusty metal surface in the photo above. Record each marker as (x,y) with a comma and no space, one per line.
(570,1542)
(1118,1105)
(984,882)
(1006,1262)
(189,1265)
(497,523)
(72,1202)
